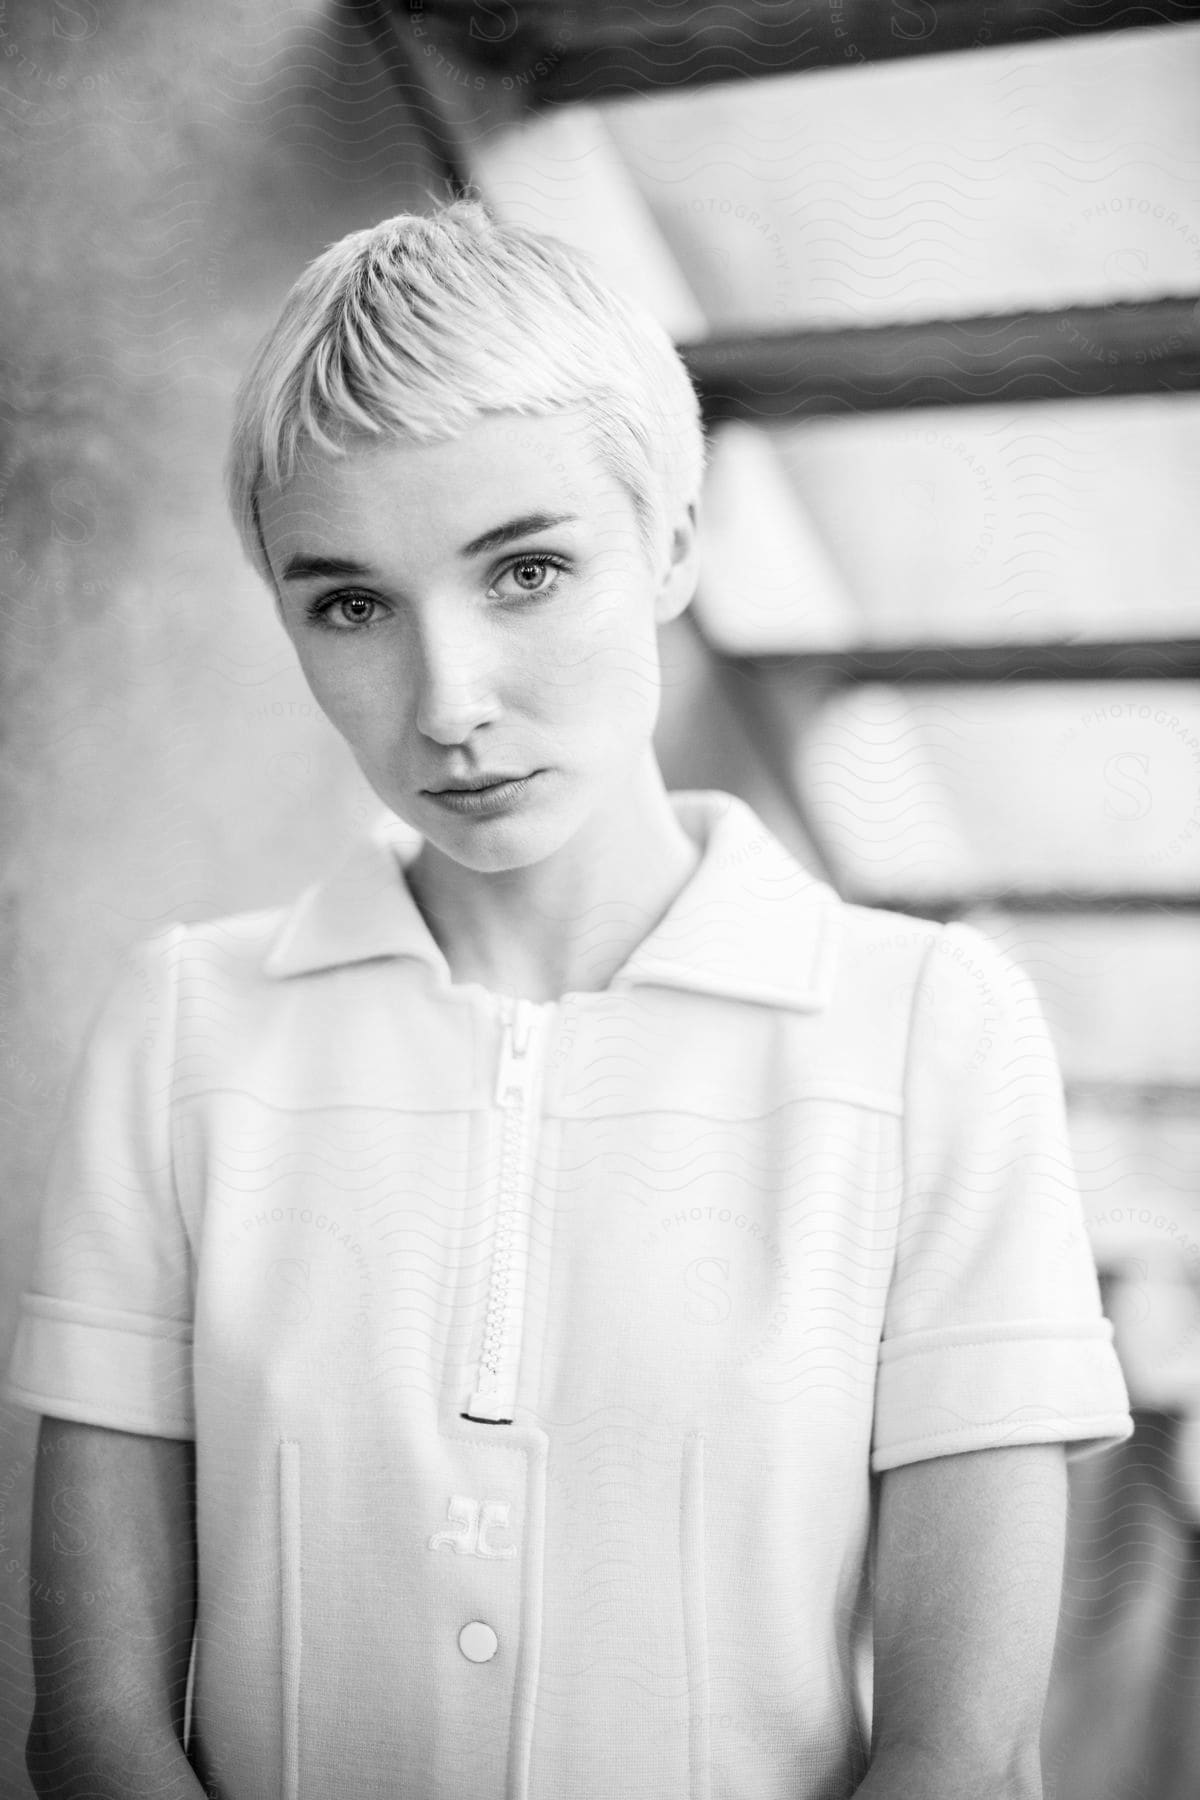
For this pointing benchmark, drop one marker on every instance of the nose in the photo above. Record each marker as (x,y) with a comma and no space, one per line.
(455,672)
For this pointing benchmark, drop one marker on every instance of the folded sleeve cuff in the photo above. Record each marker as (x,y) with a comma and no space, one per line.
(99,1366)
(955,1388)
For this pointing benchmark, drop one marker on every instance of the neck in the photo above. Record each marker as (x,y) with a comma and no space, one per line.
(568,923)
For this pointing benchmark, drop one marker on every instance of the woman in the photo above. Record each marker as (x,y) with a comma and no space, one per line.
(594,1286)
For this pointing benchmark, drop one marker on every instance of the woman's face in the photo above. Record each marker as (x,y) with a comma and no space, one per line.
(477,608)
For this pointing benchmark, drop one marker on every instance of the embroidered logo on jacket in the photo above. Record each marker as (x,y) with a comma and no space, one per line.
(471,1521)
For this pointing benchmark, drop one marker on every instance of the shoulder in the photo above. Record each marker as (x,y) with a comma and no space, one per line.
(226,952)
(351,911)
(881,959)
(901,940)
(913,993)
(196,979)
(233,949)
(897,952)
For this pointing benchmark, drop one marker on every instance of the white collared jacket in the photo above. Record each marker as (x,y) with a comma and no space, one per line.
(539,1357)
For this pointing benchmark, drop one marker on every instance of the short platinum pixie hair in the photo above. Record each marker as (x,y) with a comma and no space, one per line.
(423,324)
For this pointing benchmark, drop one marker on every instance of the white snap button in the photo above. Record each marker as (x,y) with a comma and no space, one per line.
(478,1642)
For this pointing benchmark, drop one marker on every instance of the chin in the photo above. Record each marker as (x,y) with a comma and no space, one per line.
(491,845)
(495,846)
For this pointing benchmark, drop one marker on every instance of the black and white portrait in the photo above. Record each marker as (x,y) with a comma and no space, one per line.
(601,834)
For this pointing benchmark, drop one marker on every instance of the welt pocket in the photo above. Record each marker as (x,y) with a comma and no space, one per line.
(290,1619)
(695,1612)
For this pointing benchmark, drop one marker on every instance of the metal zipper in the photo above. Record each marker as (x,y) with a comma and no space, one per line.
(521,1040)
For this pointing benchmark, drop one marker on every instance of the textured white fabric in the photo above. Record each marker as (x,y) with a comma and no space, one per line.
(799,1208)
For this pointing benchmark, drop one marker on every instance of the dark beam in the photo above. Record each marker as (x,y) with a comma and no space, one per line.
(1027,900)
(1135,1096)
(1151,659)
(1084,352)
(595,49)
(417,86)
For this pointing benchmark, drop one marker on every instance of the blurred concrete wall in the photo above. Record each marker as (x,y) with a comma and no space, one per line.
(164,172)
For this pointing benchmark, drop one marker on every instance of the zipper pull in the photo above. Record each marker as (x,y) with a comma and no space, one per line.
(514,1046)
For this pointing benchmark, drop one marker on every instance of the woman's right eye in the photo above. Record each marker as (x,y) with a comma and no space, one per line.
(343,612)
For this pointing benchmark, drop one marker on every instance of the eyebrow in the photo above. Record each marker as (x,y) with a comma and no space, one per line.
(304,568)
(307,568)
(516,528)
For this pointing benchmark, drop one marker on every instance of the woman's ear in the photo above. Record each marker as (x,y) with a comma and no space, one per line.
(677,584)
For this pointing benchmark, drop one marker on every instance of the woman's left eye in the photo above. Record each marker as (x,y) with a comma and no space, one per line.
(537,568)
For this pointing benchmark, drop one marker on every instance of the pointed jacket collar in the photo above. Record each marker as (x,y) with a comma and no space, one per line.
(751,923)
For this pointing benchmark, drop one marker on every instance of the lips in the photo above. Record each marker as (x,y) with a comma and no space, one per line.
(495,795)
(474,785)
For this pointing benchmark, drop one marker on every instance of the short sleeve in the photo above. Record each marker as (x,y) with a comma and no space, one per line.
(993,1332)
(104,1329)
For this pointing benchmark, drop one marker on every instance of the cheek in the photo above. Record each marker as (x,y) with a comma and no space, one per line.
(614,647)
(323,679)
(613,683)
(352,692)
